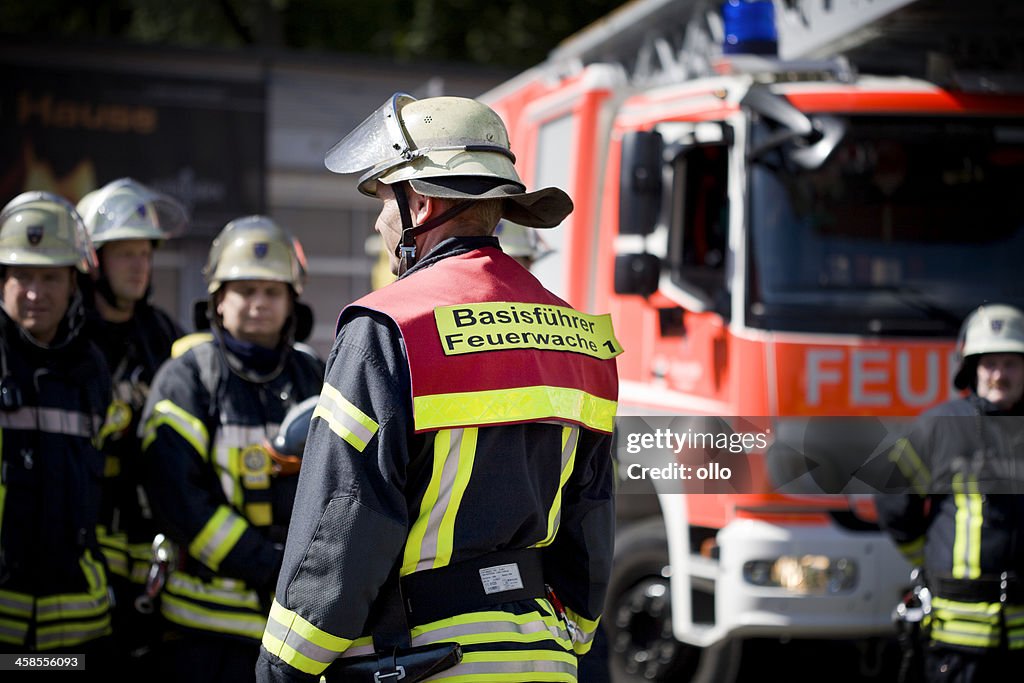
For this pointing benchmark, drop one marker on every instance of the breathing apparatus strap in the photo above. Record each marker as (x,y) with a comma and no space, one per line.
(406,249)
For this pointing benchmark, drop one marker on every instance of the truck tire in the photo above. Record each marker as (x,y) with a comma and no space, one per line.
(638,615)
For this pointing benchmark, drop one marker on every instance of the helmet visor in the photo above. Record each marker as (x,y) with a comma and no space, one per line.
(126,209)
(380,141)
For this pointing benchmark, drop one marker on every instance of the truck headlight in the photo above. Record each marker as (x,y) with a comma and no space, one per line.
(807,574)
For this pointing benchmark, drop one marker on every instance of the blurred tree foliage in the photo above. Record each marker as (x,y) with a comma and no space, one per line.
(501,33)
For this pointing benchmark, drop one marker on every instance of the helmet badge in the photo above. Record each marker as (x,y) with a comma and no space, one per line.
(260,249)
(140,210)
(997,325)
(34,234)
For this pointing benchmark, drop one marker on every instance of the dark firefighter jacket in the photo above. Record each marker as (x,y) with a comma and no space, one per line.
(962,522)
(53,585)
(421,460)
(211,483)
(134,350)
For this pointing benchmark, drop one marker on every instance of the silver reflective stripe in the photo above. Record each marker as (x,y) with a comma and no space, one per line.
(240,436)
(250,625)
(14,630)
(428,548)
(72,633)
(505,667)
(343,418)
(217,540)
(300,644)
(500,630)
(52,420)
(15,604)
(567,453)
(191,587)
(52,611)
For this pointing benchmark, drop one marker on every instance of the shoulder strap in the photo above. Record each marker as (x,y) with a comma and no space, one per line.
(211,371)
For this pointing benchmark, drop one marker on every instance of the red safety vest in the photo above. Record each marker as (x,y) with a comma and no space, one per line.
(488,345)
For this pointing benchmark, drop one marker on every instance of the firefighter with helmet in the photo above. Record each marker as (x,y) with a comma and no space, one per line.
(126,222)
(215,487)
(54,392)
(471,457)
(960,520)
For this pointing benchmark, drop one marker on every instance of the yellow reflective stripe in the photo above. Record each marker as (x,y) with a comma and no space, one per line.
(13,631)
(188,614)
(188,586)
(910,465)
(72,606)
(72,633)
(183,344)
(190,428)
(969,518)
(523,404)
(110,426)
(217,537)
(978,611)
(478,628)
(298,643)
(570,440)
(512,666)
(965,639)
(95,573)
(344,419)
(15,604)
(431,537)
(585,631)
(464,471)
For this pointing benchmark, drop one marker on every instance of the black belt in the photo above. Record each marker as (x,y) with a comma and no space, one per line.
(1005,587)
(492,579)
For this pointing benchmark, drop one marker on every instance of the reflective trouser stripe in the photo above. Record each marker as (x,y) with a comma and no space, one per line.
(512,666)
(431,537)
(186,613)
(345,419)
(229,592)
(217,538)
(190,427)
(970,624)
(298,643)
(969,518)
(570,439)
(72,633)
(522,404)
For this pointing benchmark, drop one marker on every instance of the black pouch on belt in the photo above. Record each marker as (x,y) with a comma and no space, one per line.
(394,659)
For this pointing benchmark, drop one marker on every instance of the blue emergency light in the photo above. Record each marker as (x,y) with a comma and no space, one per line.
(750,27)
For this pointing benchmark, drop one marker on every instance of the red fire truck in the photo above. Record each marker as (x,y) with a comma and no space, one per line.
(779,236)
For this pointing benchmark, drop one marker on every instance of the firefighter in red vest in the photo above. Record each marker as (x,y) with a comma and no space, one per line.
(455,509)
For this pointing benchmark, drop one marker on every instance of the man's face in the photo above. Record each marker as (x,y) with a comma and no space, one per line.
(37,298)
(1001,378)
(255,310)
(128,265)
(389,224)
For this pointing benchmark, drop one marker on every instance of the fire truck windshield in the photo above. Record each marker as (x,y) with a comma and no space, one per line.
(910,223)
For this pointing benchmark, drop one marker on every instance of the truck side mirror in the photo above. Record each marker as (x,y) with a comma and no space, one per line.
(637,274)
(640,183)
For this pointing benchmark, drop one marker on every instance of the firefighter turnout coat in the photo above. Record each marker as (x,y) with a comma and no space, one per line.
(962,522)
(53,585)
(210,481)
(134,351)
(465,420)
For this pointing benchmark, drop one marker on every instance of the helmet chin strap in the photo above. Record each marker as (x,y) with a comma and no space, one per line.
(406,248)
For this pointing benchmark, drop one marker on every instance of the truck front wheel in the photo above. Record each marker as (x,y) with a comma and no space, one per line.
(638,614)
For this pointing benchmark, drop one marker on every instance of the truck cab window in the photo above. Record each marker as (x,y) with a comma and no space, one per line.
(698,240)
